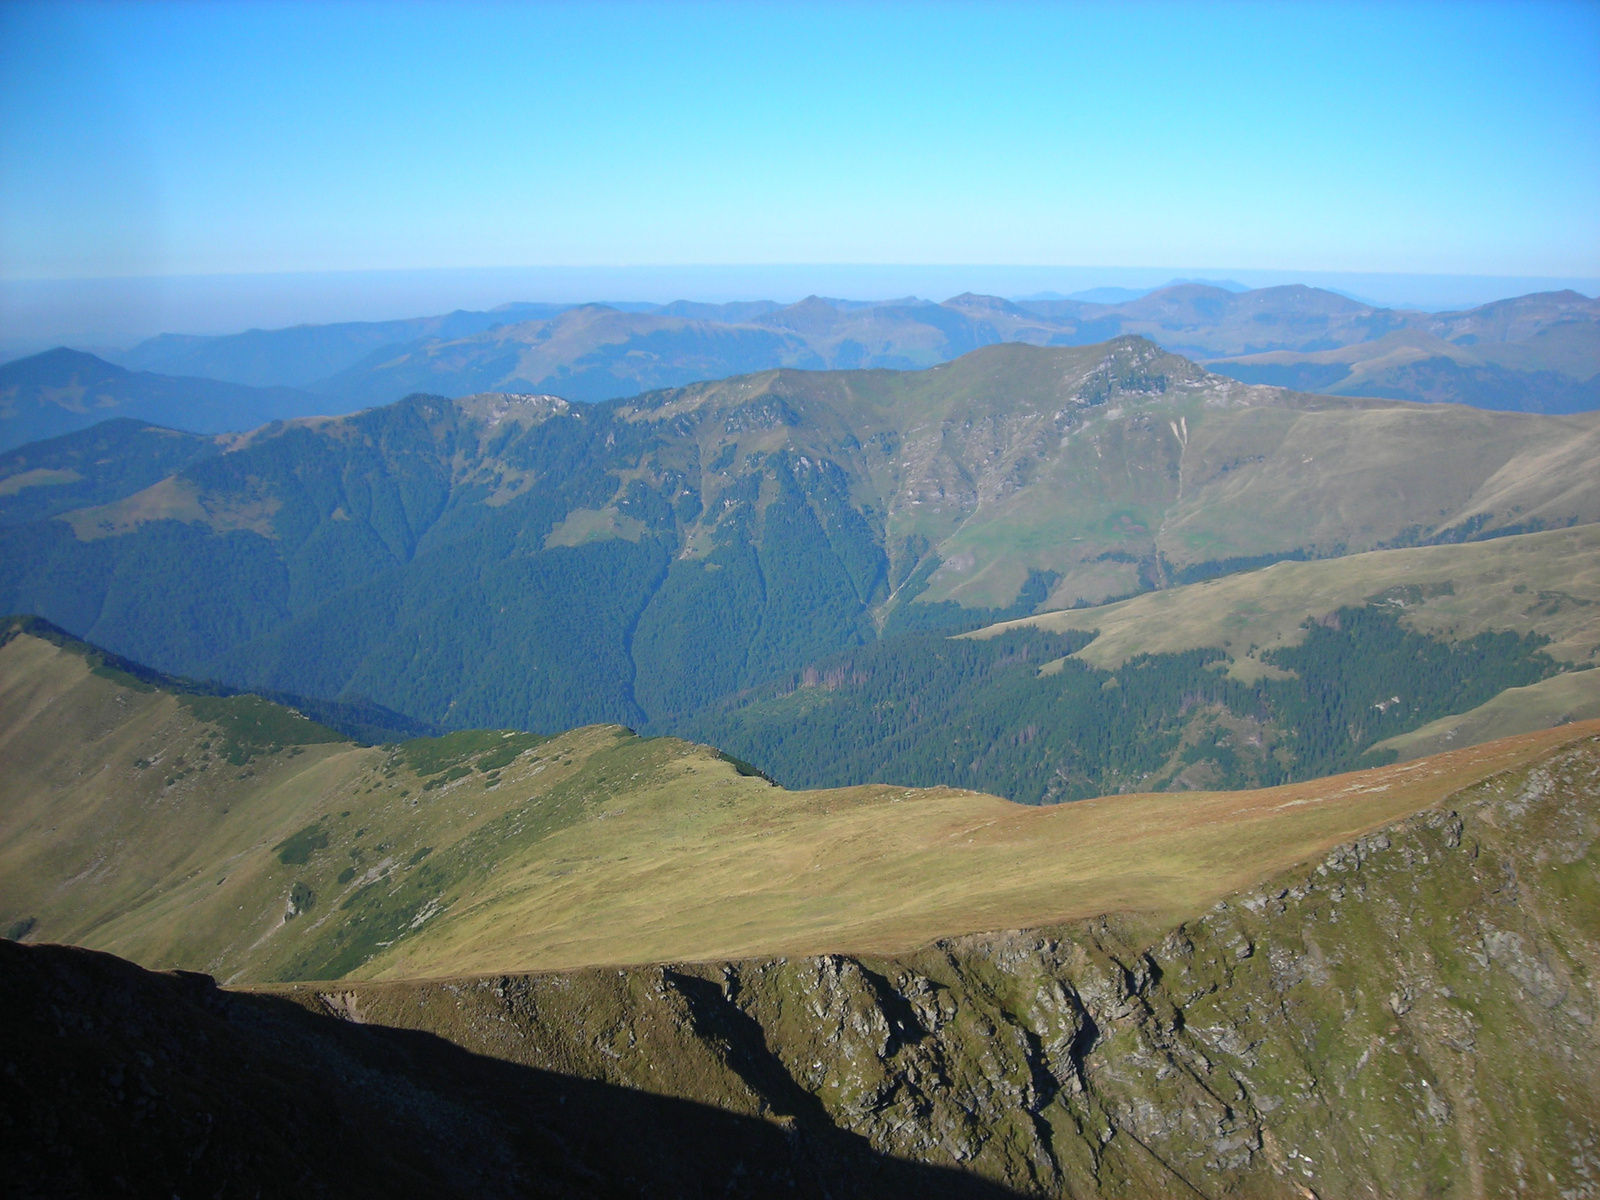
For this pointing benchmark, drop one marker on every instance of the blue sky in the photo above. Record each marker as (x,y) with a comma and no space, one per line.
(151,139)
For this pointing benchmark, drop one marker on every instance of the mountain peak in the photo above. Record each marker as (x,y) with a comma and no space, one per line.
(813,315)
(522,408)
(62,364)
(977,302)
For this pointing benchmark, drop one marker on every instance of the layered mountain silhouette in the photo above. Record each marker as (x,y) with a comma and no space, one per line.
(520,561)
(1537,353)
(62,390)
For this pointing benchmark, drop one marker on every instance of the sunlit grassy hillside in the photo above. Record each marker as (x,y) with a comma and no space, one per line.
(1541,583)
(231,836)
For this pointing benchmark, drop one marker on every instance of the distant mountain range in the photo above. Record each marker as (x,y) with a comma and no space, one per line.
(517,560)
(303,354)
(1538,353)
(1533,353)
(61,391)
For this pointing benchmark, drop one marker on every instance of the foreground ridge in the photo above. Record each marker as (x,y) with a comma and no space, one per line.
(1413,1015)
(238,838)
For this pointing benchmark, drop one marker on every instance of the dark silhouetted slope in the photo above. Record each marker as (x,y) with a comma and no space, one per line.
(123,1081)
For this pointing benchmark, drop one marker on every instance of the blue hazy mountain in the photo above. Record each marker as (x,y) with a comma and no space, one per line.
(63,390)
(1538,353)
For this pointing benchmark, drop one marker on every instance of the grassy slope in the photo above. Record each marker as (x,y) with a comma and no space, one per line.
(806,872)
(594,847)
(998,462)
(1412,1015)
(1547,583)
(1557,701)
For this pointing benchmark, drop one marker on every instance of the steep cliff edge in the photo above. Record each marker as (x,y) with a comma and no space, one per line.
(1414,1015)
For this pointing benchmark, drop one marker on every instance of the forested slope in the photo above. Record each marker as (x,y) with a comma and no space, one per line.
(521,562)
(921,709)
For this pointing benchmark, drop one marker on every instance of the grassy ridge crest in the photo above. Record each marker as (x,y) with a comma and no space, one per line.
(134,834)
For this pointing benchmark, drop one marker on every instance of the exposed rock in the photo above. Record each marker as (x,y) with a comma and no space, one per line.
(1387,1022)
(1415,1015)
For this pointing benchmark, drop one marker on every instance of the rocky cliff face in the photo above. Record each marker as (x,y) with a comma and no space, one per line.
(1413,1016)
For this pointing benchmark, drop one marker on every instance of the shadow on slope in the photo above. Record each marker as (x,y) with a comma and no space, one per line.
(124,1081)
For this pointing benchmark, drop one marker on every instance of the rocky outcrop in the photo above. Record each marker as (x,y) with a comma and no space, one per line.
(1415,1015)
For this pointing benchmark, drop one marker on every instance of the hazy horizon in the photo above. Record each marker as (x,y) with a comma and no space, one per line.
(209,168)
(113,314)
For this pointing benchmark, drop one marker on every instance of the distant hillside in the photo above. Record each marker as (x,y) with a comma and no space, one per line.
(1538,353)
(1533,354)
(521,562)
(1546,584)
(303,354)
(1297,670)
(593,352)
(61,391)
(587,354)
(97,465)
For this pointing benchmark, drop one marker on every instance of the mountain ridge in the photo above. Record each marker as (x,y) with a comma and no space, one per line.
(1530,352)
(421,554)
(63,391)
(237,837)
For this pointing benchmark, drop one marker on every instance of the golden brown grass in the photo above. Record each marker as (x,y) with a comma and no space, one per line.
(1546,583)
(598,847)
(729,867)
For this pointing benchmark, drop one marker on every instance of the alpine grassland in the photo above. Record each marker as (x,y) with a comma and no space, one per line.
(149,834)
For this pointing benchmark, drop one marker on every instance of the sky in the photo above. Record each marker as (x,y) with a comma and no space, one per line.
(181,140)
